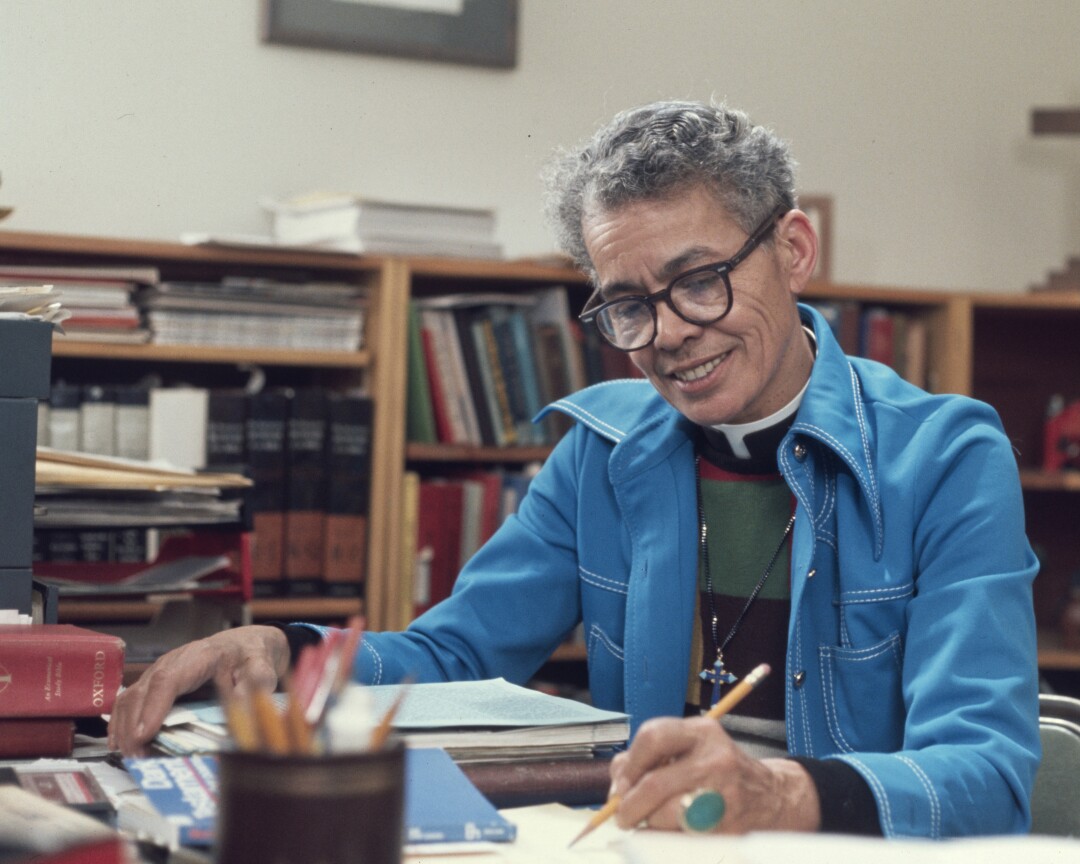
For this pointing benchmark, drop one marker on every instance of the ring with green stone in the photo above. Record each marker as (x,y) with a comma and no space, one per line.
(701,811)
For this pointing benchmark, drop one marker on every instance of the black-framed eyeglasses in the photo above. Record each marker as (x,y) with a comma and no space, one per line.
(699,296)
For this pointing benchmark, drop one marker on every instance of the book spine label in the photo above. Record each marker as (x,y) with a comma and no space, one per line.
(306,491)
(348,470)
(266,424)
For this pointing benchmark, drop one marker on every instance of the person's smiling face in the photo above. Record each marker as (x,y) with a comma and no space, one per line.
(748,364)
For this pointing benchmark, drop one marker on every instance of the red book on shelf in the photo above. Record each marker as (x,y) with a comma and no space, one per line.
(443,429)
(439,536)
(36,737)
(58,670)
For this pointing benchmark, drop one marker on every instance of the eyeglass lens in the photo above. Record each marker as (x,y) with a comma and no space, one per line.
(700,298)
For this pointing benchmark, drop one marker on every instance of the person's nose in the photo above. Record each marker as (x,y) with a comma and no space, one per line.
(671,330)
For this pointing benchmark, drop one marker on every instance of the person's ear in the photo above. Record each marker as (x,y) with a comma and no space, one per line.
(799,244)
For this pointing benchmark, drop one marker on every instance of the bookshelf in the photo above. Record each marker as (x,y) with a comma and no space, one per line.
(227,367)
(1011,350)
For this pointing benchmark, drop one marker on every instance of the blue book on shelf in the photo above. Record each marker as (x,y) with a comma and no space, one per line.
(443,806)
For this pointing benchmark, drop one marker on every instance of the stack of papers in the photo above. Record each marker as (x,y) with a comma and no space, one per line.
(474,721)
(257,313)
(494,720)
(346,223)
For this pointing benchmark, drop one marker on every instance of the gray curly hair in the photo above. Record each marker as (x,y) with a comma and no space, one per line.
(656,151)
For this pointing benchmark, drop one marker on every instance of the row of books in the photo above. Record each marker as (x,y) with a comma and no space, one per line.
(895,337)
(482,365)
(307,451)
(133,305)
(447,519)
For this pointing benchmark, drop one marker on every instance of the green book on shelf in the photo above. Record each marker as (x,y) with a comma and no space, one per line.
(420,417)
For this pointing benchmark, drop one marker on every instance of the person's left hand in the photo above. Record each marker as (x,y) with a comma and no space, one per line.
(670,758)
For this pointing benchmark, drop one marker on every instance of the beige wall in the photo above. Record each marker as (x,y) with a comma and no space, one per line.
(143,118)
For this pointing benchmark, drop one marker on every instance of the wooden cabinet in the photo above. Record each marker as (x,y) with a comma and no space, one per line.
(1014,351)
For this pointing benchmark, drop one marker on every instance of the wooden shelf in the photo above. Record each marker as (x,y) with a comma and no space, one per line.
(1036,480)
(31,245)
(65,347)
(124,609)
(466,453)
(305,608)
(1052,655)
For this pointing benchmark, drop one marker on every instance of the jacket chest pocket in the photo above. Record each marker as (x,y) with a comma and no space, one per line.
(868,615)
(861,688)
(603,608)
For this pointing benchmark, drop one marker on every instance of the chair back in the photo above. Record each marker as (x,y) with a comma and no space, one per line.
(1055,801)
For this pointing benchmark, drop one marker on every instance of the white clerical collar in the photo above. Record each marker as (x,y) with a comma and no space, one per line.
(735,433)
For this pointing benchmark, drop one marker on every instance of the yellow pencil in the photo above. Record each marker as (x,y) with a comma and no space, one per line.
(275,737)
(382,731)
(733,698)
(241,724)
(301,735)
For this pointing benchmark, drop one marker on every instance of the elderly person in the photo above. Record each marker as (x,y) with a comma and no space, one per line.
(760,498)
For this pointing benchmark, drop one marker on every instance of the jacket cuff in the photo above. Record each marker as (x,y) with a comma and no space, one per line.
(847,804)
(298,636)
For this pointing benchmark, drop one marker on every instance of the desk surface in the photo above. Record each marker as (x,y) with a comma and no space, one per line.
(545,831)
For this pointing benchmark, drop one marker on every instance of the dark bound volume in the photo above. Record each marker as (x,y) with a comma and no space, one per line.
(464,319)
(36,737)
(226,430)
(268,413)
(305,445)
(348,461)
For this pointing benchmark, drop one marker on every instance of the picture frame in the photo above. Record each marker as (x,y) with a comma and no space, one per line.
(475,32)
(820,210)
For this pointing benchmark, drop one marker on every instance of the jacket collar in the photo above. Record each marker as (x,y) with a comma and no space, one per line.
(645,428)
(833,413)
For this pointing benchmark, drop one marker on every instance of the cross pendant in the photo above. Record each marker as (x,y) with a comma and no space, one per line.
(718,676)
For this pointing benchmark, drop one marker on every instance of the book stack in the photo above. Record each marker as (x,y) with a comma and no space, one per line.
(349,224)
(1066,278)
(50,675)
(256,313)
(99,300)
(481,366)
(113,526)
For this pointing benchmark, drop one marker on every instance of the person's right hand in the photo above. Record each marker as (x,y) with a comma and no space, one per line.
(252,657)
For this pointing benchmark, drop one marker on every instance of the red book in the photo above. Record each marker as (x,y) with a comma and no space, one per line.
(877,336)
(36,737)
(443,429)
(58,670)
(439,536)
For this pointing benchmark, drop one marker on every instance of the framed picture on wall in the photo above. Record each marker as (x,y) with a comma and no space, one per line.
(477,32)
(819,209)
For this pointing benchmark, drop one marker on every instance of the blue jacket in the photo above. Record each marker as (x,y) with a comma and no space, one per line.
(911,644)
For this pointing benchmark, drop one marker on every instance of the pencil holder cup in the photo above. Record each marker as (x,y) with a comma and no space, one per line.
(337,809)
